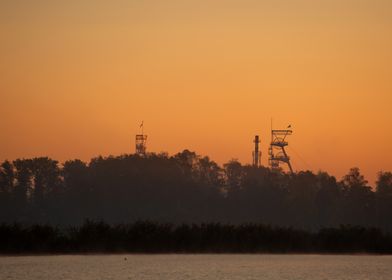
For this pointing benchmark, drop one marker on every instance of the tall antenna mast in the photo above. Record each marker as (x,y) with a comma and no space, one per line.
(277,150)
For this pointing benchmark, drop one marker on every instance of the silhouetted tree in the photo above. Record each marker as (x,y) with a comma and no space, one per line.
(234,175)
(384,200)
(301,198)
(22,190)
(45,174)
(189,188)
(359,200)
(77,197)
(328,201)
(7,177)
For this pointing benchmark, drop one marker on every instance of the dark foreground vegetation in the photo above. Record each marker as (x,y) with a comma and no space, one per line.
(149,237)
(188,188)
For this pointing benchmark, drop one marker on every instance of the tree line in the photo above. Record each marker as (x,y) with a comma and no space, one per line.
(187,188)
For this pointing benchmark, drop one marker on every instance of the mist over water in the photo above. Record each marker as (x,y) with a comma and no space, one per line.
(145,267)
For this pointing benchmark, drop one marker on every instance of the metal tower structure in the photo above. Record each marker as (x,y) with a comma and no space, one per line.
(140,142)
(277,150)
(256,153)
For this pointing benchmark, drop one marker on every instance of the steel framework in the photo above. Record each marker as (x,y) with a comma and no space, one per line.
(277,150)
(140,142)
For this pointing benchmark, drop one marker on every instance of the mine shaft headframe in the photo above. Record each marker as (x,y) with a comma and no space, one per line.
(277,148)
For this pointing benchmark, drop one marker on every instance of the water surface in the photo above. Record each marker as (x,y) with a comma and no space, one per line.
(176,267)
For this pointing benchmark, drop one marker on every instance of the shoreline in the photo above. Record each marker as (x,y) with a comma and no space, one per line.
(192,253)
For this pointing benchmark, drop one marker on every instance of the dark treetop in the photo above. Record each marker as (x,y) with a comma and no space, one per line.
(187,188)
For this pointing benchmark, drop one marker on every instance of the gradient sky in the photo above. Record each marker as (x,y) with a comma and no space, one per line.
(78,77)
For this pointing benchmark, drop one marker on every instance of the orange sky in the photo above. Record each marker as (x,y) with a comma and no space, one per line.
(77,78)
